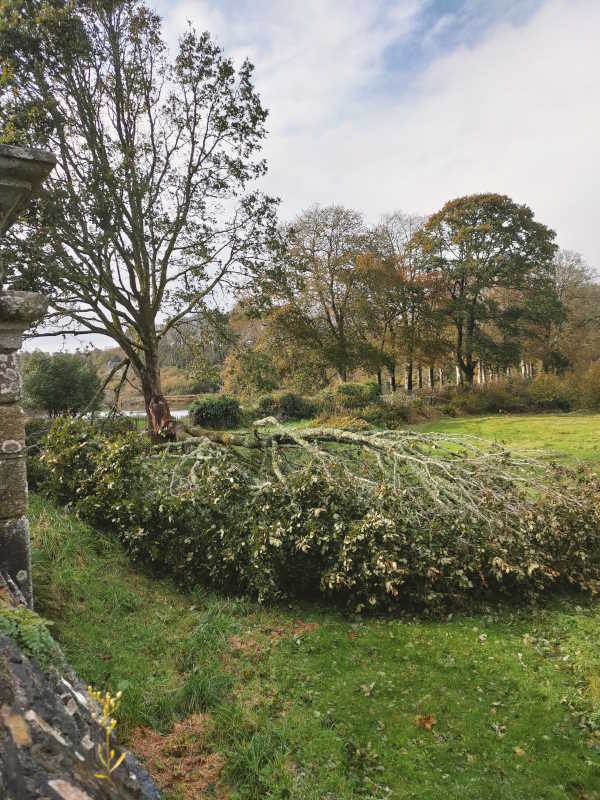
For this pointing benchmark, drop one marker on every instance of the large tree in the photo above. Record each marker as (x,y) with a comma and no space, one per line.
(153,205)
(312,284)
(572,340)
(61,383)
(496,263)
(402,296)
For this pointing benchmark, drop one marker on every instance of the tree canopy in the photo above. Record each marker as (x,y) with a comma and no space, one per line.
(63,383)
(495,261)
(153,206)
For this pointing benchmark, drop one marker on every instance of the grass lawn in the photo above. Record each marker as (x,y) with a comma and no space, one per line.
(225,698)
(572,437)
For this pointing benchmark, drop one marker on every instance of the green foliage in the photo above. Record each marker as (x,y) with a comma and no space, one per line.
(355,395)
(220,411)
(287,406)
(515,395)
(294,406)
(249,372)
(589,387)
(60,383)
(315,535)
(36,429)
(30,632)
(550,391)
(495,678)
(267,405)
(480,244)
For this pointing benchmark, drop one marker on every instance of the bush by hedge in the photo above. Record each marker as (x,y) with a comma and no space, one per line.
(286,406)
(588,387)
(220,411)
(316,536)
(356,395)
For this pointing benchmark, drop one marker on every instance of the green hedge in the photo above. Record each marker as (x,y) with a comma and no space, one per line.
(220,411)
(356,395)
(316,536)
(286,406)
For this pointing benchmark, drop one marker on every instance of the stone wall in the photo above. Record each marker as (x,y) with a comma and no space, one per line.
(48,739)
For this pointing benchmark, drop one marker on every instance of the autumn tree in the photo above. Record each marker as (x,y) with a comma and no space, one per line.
(153,206)
(402,296)
(495,262)
(573,338)
(312,282)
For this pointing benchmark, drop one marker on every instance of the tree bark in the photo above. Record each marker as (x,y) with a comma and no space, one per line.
(160,423)
(409,377)
(393,377)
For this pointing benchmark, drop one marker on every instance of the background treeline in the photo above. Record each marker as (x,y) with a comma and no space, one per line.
(475,294)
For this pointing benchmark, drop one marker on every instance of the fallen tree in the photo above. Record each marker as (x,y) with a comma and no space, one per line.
(434,472)
(367,518)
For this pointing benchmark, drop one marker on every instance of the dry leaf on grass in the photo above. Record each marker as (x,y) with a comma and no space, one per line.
(426,721)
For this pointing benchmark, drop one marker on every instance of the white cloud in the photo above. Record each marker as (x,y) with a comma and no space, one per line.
(518,112)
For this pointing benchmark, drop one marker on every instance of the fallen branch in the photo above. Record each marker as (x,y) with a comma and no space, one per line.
(433,471)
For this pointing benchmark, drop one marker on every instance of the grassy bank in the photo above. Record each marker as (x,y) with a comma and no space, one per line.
(225,698)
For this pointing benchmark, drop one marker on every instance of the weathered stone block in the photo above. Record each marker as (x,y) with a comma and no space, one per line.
(22,307)
(49,741)
(11,385)
(15,559)
(12,429)
(13,486)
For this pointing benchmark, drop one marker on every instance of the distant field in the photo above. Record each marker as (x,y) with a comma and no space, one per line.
(572,437)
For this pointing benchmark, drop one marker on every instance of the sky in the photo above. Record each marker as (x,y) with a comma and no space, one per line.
(384,105)
(404,104)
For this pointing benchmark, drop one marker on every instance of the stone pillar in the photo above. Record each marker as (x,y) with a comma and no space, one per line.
(17,311)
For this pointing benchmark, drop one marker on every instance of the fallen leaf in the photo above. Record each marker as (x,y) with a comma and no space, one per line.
(519,752)
(426,721)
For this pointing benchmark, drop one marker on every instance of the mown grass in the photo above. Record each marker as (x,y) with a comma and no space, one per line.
(571,437)
(305,703)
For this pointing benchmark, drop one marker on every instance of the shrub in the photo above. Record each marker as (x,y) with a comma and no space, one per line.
(220,411)
(315,535)
(355,395)
(549,391)
(514,395)
(267,406)
(294,406)
(589,387)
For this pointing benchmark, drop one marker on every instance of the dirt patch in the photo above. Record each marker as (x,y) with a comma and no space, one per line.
(254,642)
(178,760)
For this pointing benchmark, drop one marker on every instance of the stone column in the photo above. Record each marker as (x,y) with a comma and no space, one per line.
(17,311)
